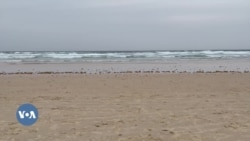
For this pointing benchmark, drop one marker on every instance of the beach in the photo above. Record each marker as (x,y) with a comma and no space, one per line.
(125,70)
(128,106)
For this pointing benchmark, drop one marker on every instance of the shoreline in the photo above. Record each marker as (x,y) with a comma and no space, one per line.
(129,72)
(169,66)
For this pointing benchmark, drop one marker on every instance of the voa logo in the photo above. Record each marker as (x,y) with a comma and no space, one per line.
(27,114)
(30,114)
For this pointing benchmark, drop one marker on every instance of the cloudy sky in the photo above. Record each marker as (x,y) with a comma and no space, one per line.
(124,24)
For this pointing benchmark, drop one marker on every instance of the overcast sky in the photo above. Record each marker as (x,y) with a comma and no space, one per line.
(124,24)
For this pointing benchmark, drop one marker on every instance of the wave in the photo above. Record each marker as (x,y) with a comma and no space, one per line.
(119,55)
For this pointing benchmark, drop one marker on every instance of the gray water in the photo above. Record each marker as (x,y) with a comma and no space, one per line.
(119,56)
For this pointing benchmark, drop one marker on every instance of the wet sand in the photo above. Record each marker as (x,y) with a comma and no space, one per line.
(170,65)
(128,107)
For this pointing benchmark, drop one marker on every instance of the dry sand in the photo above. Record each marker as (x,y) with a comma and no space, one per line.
(134,107)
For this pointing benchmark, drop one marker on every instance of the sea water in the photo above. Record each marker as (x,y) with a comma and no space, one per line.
(117,56)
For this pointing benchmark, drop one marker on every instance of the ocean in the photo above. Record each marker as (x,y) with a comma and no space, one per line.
(95,62)
(118,56)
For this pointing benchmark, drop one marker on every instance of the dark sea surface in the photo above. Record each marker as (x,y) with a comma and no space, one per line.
(118,56)
(95,62)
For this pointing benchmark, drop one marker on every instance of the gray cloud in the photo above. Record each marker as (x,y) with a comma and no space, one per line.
(124,24)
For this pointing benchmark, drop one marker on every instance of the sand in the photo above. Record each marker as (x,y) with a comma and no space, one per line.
(169,65)
(128,107)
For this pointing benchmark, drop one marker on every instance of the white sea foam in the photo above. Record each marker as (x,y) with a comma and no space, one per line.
(118,56)
(61,55)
